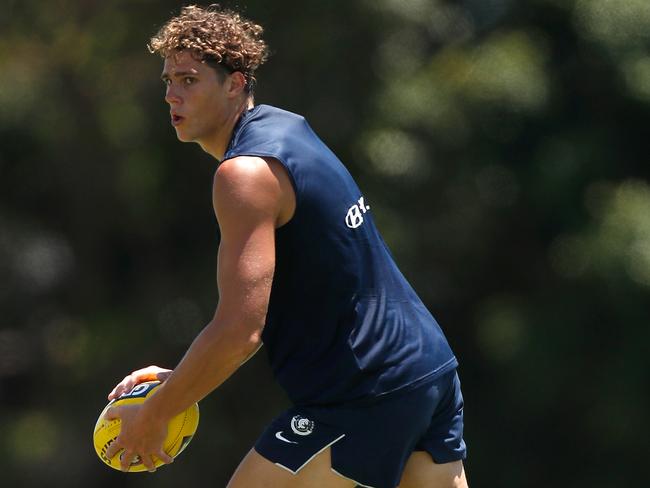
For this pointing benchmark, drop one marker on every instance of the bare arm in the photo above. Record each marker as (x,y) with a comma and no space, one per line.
(250,200)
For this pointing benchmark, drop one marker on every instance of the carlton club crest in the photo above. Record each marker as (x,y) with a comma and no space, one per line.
(301,425)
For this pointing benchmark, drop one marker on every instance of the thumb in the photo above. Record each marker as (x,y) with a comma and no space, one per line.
(163,375)
(113,413)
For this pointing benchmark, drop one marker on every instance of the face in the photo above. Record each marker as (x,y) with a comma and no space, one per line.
(197,98)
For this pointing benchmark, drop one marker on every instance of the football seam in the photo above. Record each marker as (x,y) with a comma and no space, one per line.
(178,435)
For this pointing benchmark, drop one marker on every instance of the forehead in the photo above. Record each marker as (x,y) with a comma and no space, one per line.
(183,61)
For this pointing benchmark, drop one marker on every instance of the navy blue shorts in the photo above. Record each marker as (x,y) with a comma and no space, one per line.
(371,442)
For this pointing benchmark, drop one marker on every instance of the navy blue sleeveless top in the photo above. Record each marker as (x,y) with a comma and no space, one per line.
(343,324)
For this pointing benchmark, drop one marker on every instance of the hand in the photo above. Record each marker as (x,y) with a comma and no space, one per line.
(150,373)
(140,437)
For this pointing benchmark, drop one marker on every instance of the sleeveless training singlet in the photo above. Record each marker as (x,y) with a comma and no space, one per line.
(343,324)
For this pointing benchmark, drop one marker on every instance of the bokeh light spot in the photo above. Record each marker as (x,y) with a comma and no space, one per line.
(501,328)
(616,23)
(396,153)
(44,261)
(637,77)
(32,438)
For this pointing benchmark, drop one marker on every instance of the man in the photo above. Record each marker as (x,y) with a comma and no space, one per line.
(302,268)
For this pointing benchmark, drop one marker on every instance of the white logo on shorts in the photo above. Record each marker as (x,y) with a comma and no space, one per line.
(278,435)
(301,425)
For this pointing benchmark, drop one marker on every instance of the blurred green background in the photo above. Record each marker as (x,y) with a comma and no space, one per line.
(503,145)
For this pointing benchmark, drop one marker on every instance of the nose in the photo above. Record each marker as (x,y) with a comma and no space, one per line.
(171,97)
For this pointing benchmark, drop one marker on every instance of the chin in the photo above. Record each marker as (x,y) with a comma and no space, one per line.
(183,137)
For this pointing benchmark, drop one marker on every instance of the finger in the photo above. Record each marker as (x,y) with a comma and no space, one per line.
(113,413)
(117,391)
(150,373)
(148,463)
(113,449)
(113,394)
(121,387)
(163,375)
(128,458)
(145,374)
(164,457)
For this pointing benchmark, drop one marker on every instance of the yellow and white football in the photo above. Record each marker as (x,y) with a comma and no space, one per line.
(180,430)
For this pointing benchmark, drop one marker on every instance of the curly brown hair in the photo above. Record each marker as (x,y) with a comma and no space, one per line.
(219,37)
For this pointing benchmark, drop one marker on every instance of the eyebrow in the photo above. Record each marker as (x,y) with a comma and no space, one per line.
(178,74)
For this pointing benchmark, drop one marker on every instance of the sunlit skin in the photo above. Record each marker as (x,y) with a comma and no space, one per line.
(252,197)
(203,108)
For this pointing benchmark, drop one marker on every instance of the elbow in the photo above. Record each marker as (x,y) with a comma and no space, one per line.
(255,338)
(249,345)
(244,337)
(250,341)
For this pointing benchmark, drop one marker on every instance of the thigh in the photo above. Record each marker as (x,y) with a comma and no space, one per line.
(422,472)
(256,471)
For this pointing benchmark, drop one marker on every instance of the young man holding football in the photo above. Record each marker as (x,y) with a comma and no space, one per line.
(302,269)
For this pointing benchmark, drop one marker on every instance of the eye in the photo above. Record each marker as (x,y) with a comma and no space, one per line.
(166,81)
(188,80)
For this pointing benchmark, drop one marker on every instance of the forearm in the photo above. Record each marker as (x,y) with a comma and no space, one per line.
(247,202)
(216,353)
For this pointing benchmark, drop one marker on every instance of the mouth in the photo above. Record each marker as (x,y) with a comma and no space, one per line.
(177,119)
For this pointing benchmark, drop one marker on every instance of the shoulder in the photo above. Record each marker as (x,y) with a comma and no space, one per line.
(249,183)
(241,170)
(260,127)
(247,173)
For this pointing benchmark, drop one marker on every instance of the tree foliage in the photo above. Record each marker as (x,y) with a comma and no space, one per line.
(503,146)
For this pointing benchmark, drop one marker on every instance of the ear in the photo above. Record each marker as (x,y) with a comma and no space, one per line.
(237,82)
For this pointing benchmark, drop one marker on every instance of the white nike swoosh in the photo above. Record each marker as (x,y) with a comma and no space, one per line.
(279,435)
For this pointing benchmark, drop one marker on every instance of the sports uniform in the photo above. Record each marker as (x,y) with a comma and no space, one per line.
(366,365)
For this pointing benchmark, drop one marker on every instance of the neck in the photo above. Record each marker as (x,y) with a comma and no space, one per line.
(216,146)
